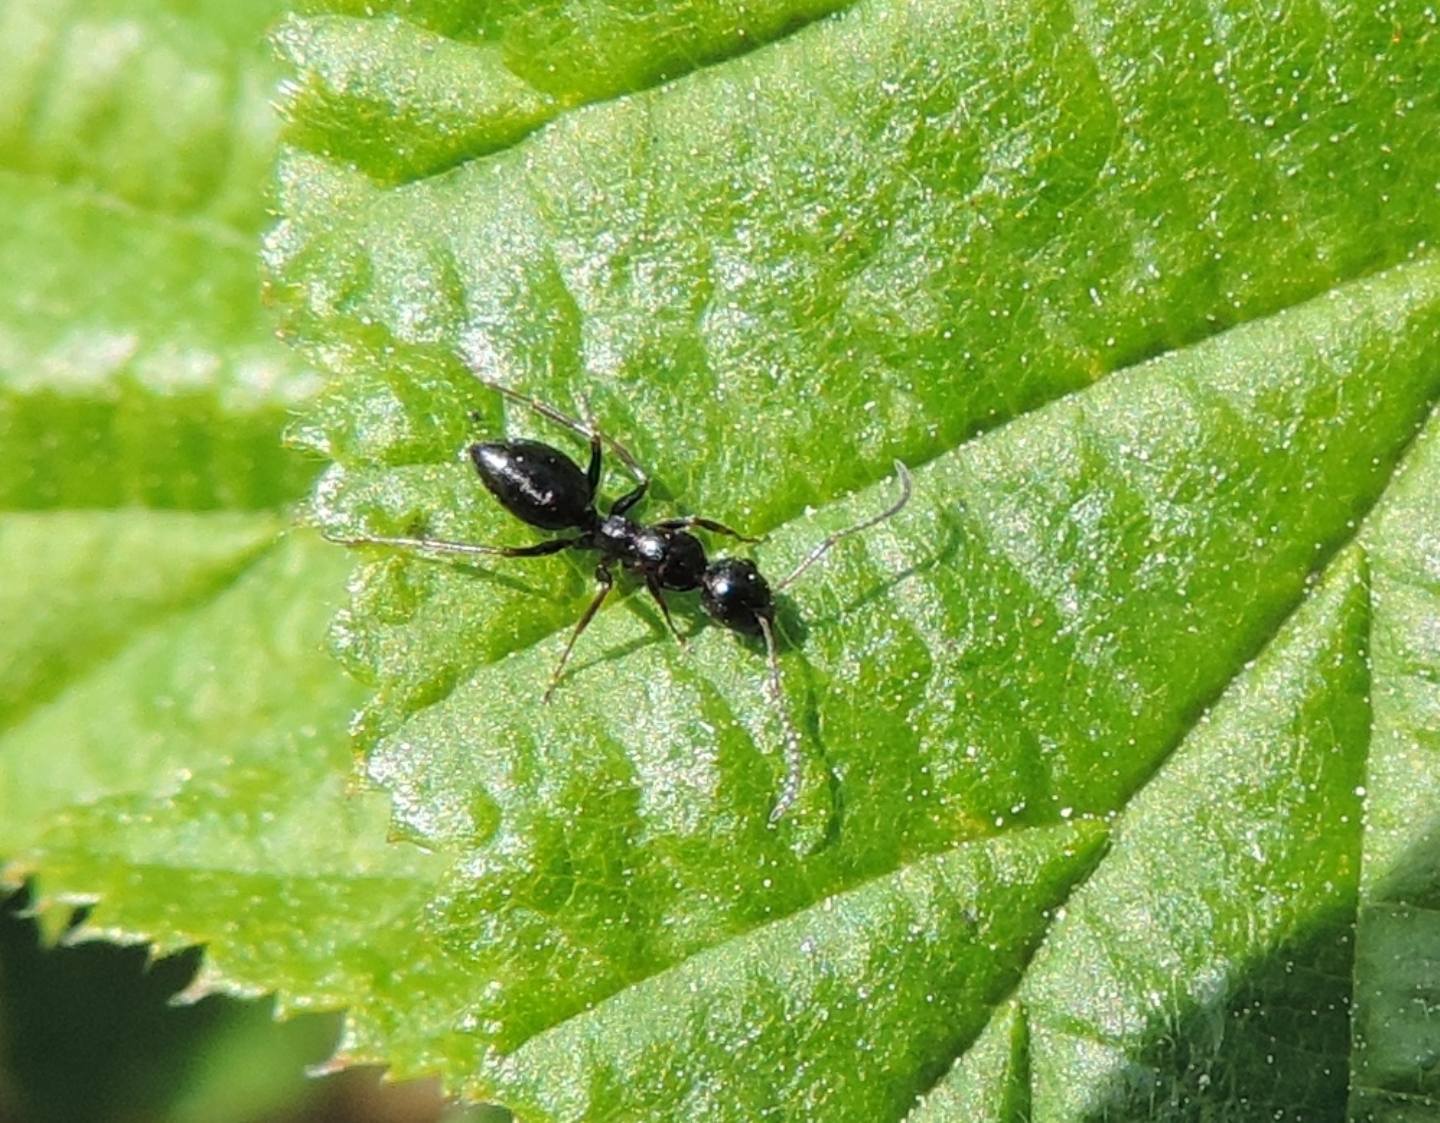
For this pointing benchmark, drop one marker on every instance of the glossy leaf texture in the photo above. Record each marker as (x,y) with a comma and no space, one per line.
(873,238)
(1128,596)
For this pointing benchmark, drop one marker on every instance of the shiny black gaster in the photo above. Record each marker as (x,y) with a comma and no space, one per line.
(538,484)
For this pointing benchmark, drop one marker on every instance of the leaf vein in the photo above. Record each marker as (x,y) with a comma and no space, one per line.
(55,692)
(1354,536)
(220,234)
(741,47)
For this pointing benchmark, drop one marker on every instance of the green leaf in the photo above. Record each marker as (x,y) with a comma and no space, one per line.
(231,679)
(1093,547)
(141,391)
(889,233)
(1225,901)
(136,365)
(1157,996)
(1397,938)
(991,1080)
(948,222)
(922,951)
(872,238)
(446,82)
(141,398)
(1246,806)
(80,583)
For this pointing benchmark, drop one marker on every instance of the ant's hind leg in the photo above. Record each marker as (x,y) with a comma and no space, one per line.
(659,597)
(687,521)
(602,575)
(591,431)
(463,549)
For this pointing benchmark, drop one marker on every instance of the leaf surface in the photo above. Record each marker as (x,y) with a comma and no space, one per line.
(647,820)
(151,626)
(141,390)
(880,236)
(136,365)
(949,233)
(1397,937)
(404,89)
(958,219)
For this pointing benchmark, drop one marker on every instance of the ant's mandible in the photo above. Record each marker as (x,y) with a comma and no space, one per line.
(543,487)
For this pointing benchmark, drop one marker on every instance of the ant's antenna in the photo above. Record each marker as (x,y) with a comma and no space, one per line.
(794,754)
(902,473)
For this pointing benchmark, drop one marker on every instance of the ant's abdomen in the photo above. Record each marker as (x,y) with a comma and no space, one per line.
(537,484)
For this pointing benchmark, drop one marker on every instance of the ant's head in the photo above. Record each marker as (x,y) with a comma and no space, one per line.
(733,593)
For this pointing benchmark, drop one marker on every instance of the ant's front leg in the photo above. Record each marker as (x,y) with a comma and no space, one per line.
(465,549)
(685,522)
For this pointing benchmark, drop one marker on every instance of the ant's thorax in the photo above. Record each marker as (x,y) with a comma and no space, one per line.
(673,558)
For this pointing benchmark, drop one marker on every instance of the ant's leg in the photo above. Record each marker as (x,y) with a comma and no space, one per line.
(592,473)
(637,493)
(602,575)
(467,549)
(687,521)
(629,499)
(591,431)
(659,597)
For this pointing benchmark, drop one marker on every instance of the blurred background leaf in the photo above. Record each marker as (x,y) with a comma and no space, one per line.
(142,399)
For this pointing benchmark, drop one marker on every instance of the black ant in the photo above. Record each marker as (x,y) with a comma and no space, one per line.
(543,487)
